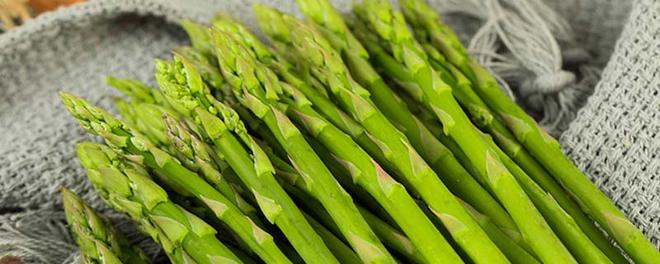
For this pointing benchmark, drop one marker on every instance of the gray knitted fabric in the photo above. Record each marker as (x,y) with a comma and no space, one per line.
(615,137)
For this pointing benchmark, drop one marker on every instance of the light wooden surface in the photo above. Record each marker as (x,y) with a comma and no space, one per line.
(17,12)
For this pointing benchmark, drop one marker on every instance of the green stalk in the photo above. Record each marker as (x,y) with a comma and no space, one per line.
(385,231)
(429,120)
(343,175)
(182,180)
(98,239)
(343,253)
(200,37)
(148,120)
(205,65)
(429,28)
(434,152)
(325,65)
(127,188)
(136,90)
(258,89)
(562,223)
(286,172)
(339,249)
(221,126)
(365,172)
(392,237)
(197,156)
(179,140)
(514,252)
(437,95)
(543,147)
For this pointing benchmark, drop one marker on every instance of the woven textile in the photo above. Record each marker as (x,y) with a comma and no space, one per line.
(615,137)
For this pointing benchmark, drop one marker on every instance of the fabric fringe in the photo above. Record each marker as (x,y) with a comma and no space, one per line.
(526,44)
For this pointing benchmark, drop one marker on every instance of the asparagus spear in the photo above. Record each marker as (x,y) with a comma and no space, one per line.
(99,241)
(197,156)
(147,119)
(437,95)
(200,37)
(429,28)
(324,64)
(560,221)
(343,253)
(180,179)
(184,89)
(179,141)
(514,252)
(127,188)
(566,228)
(365,172)
(433,151)
(210,73)
(543,147)
(257,88)
(288,173)
(392,237)
(143,112)
(136,90)
(338,117)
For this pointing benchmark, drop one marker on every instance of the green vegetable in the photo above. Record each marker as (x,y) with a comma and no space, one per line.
(205,65)
(548,152)
(200,37)
(514,252)
(364,171)
(325,65)
(182,85)
(433,151)
(562,223)
(437,96)
(180,179)
(99,241)
(430,121)
(392,237)
(343,253)
(430,29)
(127,188)
(257,88)
(198,157)
(136,90)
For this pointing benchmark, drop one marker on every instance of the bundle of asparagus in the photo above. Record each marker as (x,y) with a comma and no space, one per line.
(372,138)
